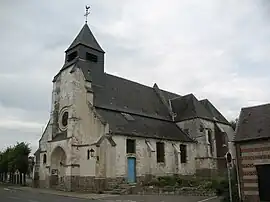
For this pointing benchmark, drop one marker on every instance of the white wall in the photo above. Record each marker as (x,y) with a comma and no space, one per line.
(45,137)
(87,166)
(84,126)
(202,147)
(194,131)
(146,161)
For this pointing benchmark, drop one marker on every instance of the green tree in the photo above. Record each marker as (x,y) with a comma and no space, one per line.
(20,159)
(4,162)
(234,123)
(13,159)
(21,153)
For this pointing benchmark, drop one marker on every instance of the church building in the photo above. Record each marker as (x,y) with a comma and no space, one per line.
(106,130)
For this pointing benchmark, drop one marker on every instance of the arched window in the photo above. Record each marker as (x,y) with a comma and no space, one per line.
(65,119)
(210,142)
(44,158)
(88,154)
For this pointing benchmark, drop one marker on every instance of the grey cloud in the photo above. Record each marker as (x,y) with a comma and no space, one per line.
(23,94)
(184,46)
(11,136)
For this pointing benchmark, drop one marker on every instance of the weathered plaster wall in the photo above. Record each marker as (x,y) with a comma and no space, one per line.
(194,126)
(43,146)
(45,136)
(230,135)
(87,166)
(146,161)
(84,126)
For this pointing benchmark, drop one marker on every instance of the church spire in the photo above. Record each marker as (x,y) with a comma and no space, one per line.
(85,49)
(85,36)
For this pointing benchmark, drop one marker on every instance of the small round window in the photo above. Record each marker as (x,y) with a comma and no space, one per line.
(65,119)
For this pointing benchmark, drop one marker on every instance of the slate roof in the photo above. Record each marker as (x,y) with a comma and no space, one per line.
(125,95)
(143,126)
(253,123)
(113,95)
(213,111)
(187,107)
(86,37)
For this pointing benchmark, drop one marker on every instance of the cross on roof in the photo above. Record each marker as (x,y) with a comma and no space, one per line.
(87,12)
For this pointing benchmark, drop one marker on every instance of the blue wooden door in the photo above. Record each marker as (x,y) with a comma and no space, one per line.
(131,170)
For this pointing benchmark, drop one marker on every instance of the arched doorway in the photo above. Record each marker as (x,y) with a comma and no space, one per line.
(58,166)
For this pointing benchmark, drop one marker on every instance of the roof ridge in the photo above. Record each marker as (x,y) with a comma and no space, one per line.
(135,82)
(206,102)
(165,102)
(199,106)
(134,113)
(256,106)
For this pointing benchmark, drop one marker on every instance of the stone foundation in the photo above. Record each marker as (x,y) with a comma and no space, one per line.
(87,184)
(74,183)
(111,183)
(144,179)
(97,185)
(207,173)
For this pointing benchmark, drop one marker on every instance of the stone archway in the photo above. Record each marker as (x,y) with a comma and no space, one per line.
(58,166)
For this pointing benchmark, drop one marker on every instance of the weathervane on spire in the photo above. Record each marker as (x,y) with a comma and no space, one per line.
(87,12)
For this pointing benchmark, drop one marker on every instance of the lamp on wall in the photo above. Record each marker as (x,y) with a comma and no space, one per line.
(92,152)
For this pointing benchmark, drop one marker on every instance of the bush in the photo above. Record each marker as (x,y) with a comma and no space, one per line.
(167,181)
(178,181)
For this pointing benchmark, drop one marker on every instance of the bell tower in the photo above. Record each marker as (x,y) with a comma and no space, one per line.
(85,47)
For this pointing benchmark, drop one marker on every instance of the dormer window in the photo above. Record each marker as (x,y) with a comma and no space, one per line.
(72,56)
(91,57)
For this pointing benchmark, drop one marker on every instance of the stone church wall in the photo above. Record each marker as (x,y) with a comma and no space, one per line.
(146,161)
(193,126)
(108,163)
(43,172)
(231,135)
(84,128)
(205,161)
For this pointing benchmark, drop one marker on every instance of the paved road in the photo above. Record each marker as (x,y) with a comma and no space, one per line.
(9,195)
(160,198)
(13,195)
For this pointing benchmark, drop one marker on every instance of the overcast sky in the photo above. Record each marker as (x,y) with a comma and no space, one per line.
(216,49)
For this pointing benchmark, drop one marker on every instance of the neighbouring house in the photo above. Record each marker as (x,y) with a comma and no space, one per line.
(252,143)
(104,129)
